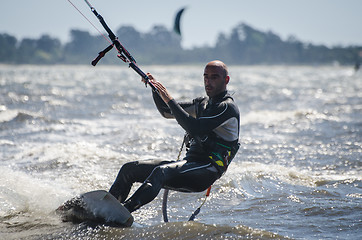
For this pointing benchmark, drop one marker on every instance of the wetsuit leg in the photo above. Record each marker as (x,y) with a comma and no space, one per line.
(182,176)
(130,173)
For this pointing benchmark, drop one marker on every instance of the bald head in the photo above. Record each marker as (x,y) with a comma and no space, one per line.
(219,64)
(215,78)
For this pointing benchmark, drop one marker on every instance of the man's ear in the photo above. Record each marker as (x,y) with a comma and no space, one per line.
(227,79)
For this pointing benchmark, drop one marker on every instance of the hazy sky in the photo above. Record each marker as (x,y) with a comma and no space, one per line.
(329,22)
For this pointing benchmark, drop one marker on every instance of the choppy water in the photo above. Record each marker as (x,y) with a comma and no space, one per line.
(68,129)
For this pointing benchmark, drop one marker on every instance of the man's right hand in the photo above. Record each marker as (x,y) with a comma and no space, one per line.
(162,91)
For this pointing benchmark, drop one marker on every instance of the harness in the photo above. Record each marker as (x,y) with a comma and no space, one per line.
(219,152)
(222,159)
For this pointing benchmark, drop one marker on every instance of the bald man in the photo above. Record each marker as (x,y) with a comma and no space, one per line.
(212,126)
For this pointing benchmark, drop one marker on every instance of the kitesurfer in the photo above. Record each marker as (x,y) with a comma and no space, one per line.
(212,124)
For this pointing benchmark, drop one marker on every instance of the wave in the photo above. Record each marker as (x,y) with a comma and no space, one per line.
(18,116)
(193,230)
(253,180)
(27,207)
(269,117)
(176,230)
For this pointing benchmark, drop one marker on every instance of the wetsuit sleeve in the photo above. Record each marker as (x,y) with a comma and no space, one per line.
(165,111)
(203,125)
(161,105)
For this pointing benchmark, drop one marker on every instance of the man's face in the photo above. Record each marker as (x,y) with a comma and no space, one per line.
(214,80)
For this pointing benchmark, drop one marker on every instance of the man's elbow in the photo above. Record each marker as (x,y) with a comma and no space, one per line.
(167,115)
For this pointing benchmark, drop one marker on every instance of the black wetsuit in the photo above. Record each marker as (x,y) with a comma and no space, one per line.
(213,125)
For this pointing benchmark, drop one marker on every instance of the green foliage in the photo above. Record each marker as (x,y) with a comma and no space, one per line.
(45,50)
(244,45)
(8,49)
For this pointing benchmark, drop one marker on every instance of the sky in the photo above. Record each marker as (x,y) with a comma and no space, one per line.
(327,22)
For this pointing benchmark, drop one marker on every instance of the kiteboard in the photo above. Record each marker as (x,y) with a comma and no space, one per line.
(95,207)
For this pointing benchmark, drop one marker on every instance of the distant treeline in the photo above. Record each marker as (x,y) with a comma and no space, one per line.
(244,45)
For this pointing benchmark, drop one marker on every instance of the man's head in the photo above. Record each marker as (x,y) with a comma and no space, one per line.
(216,77)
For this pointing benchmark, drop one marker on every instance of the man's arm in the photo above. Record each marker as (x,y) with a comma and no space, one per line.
(195,126)
(162,107)
(202,125)
(165,111)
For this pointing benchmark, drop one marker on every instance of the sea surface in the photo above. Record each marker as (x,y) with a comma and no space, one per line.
(65,130)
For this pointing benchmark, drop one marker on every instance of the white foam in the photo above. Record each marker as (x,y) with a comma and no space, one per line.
(20,192)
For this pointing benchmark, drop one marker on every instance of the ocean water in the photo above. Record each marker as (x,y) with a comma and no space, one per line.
(65,130)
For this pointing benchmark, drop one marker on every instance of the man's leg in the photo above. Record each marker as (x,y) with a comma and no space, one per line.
(180,176)
(130,173)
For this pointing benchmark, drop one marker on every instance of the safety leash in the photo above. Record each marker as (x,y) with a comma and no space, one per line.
(197,211)
(166,191)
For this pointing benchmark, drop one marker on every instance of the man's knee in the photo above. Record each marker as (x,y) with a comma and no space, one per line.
(128,167)
(157,176)
(124,175)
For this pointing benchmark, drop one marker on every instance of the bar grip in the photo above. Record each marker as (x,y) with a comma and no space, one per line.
(101,54)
